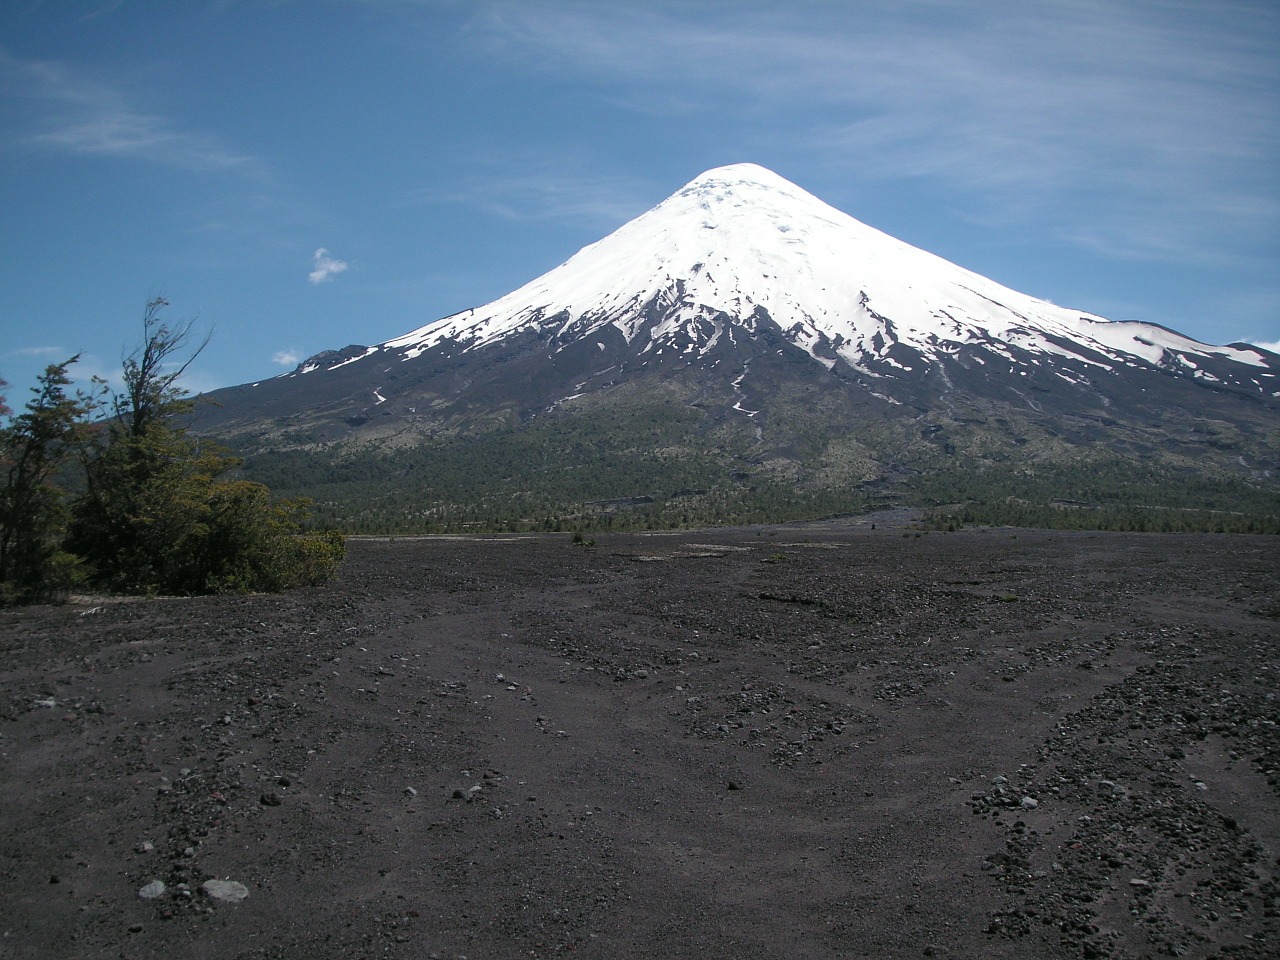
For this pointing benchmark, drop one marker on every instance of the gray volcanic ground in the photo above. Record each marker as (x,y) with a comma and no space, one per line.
(819,741)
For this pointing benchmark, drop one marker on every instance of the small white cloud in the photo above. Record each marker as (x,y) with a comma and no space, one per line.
(286,358)
(1273,345)
(325,267)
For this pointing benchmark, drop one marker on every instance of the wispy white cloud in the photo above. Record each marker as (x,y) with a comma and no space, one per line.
(538,189)
(286,358)
(1272,345)
(1137,126)
(325,267)
(70,111)
(104,9)
(194,380)
(91,367)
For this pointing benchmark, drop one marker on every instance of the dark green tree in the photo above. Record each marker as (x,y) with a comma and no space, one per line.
(142,514)
(157,514)
(33,510)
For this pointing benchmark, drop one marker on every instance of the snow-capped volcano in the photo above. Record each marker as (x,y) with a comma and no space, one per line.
(741,247)
(746,321)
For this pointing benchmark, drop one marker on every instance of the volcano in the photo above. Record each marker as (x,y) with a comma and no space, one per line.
(787,340)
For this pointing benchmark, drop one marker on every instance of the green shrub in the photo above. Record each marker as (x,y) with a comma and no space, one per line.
(33,445)
(156,514)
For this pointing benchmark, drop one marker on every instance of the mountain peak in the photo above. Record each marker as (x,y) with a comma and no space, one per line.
(798,342)
(735,174)
(740,249)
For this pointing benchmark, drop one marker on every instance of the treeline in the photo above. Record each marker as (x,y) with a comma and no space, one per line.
(729,504)
(106,489)
(1126,519)
(653,466)
(1100,492)
(635,466)
(1097,481)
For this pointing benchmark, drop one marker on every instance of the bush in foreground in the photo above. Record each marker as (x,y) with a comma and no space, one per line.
(157,513)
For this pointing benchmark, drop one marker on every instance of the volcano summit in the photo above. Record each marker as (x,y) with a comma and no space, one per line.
(746,325)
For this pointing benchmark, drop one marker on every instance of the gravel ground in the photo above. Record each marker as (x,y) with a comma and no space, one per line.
(808,741)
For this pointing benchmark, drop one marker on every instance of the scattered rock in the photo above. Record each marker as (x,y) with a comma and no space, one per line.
(1108,870)
(228,891)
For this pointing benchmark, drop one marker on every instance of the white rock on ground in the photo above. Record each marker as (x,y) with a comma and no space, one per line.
(228,891)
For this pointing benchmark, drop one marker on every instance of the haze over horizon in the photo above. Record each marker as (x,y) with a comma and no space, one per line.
(306,176)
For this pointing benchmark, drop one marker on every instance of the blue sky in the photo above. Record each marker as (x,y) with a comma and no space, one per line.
(303,175)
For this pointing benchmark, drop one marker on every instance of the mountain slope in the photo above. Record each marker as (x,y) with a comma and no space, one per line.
(740,244)
(785,340)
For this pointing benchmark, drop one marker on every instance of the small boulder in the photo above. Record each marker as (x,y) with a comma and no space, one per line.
(228,891)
